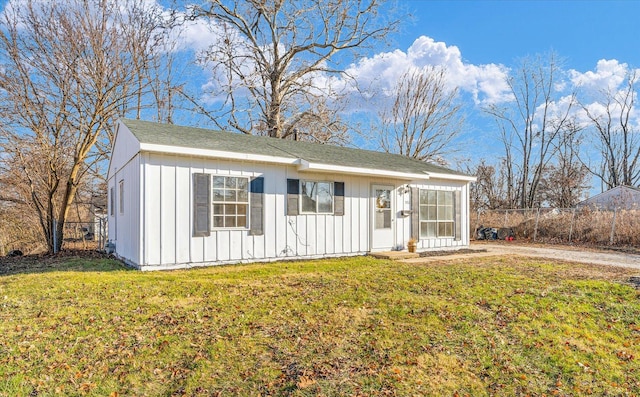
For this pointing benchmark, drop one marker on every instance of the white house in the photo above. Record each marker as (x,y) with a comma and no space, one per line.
(619,197)
(182,197)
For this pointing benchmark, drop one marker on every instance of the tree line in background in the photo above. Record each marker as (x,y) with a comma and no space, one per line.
(555,144)
(69,69)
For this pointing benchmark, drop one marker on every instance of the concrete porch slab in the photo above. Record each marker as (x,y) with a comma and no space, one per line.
(394,255)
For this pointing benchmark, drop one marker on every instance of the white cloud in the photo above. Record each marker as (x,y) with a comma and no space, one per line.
(608,75)
(486,83)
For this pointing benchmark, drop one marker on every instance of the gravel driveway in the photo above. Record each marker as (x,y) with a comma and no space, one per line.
(571,254)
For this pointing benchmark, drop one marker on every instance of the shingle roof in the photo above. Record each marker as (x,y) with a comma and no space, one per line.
(189,137)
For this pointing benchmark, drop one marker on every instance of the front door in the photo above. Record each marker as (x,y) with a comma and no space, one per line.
(382,219)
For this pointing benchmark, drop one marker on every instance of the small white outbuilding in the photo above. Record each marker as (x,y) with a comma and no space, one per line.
(182,197)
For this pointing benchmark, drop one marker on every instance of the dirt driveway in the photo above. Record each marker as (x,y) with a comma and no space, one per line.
(572,254)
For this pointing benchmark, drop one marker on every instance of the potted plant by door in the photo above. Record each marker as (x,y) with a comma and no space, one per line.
(412,244)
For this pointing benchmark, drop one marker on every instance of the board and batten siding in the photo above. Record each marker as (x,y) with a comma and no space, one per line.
(125,225)
(156,229)
(167,234)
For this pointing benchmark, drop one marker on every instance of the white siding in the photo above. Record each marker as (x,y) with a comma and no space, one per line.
(165,226)
(167,220)
(124,226)
(124,166)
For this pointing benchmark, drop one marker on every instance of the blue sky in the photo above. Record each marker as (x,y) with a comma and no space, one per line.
(499,31)
(478,42)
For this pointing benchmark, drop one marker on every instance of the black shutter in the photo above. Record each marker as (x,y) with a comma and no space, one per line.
(257,207)
(457,204)
(293,194)
(338,198)
(201,205)
(415,213)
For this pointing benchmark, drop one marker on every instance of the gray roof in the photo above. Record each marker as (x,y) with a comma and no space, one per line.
(189,137)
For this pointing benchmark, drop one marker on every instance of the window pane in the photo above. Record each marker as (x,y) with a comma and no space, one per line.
(424,196)
(432,196)
(432,213)
(383,198)
(445,198)
(243,183)
(424,212)
(218,209)
(445,229)
(325,197)
(229,209)
(242,209)
(229,221)
(243,196)
(230,195)
(242,221)
(383,219)
(230,182)
(308,195)
(218,221)
(427,229)
(218,194)
(448,213)
(218,182)
(308,204)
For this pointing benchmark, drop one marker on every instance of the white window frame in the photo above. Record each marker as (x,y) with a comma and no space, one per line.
(441,207)
(225,205)
(303,196)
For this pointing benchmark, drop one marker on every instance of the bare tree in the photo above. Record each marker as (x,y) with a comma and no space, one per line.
(565,180)
(68,69)
(274,61)
(489,189)
(425,116)
(617,139)
(531,123)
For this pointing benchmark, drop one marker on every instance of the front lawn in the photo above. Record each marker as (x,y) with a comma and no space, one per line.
(356,326)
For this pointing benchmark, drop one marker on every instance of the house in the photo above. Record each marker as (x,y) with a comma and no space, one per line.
(619,197)
(181,197)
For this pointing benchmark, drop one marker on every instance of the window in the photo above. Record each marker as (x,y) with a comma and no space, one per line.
(121,189)
(230,201)
(112,201)
(316,197)
(436,213)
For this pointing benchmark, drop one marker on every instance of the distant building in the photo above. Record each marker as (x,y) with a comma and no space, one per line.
(619,197)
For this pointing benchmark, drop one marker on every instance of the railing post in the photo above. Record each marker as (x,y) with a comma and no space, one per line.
(535,229)
(573,217)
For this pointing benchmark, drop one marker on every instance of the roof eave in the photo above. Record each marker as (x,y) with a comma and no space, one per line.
(307,166)
(155,148)
(456,177)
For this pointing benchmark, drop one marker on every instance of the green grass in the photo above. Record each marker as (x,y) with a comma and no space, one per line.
(354,326)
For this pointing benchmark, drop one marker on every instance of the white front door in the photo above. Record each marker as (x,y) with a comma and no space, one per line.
(382,217)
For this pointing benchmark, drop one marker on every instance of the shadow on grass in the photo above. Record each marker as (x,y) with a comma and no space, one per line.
(66,260)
